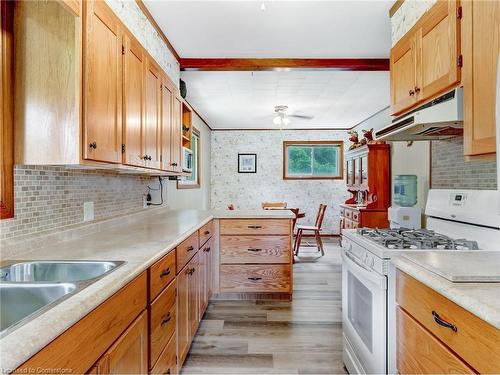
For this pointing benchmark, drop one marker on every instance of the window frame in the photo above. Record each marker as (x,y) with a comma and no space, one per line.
(340,144)
(188,184)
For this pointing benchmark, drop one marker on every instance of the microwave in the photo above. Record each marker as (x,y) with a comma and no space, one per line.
(187,160)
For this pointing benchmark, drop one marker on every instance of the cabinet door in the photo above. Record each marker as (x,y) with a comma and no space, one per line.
(193,293)
(133,91)
(205,277)
(102,75)
(152,125)
(481,47)
(167,102)
(182,313)
(403,74)
(129,354)
(438,43)
(177,135)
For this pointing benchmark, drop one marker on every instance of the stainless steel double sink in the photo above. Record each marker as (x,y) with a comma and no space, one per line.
(29,288)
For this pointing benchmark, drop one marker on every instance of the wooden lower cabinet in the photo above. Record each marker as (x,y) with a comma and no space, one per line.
(187,311)
(129,354)
(437,336)
(167,363)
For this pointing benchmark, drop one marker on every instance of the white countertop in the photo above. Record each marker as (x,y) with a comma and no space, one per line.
(139,240)
(481,299)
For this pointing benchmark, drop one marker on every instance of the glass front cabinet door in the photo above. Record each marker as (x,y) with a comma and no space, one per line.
(349,172)
(364,169)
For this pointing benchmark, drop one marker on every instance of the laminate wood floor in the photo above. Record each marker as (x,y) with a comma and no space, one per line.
(277,337)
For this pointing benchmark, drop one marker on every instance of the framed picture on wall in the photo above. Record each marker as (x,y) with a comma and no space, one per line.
(247,163)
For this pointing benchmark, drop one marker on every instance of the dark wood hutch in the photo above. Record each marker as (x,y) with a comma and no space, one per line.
(368,178)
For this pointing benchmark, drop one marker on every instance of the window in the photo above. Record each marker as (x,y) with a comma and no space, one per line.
(193,180)
(312,160)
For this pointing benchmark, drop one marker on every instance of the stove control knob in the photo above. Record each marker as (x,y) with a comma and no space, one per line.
(372,262)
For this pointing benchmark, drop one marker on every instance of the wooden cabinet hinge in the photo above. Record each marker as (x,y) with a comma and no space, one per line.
(459,13)
(123,148)
(123,50)
(460,61)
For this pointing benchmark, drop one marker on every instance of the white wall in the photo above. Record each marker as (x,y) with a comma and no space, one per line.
(249,190)
(194,198)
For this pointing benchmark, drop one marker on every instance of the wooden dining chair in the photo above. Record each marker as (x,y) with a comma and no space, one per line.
(273,205)
(316,229)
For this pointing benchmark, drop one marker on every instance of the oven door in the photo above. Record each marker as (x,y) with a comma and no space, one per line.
(364,319)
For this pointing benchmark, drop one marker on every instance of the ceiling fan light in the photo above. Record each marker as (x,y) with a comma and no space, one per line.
(286,121)
(277,120)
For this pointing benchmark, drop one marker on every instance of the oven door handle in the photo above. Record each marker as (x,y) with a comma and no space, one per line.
(364,271)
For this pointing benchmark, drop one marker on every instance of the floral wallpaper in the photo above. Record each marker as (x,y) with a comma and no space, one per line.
(133,17)
(249,190)
(406,16)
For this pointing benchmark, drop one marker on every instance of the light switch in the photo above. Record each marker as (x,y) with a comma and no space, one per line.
(88,211)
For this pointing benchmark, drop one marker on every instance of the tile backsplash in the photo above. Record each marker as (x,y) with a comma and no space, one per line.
(49,198)
(451,171)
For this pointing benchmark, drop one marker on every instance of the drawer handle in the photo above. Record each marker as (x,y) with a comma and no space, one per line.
(254,249)
(190,248)
(166,319)
(168,372)
(191,271)
(207,232)
(207,249)
(165,272)
(255,278)
(255,226)
(444,323)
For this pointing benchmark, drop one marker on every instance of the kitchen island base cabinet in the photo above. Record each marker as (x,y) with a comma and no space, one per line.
(255,259)
(129,354)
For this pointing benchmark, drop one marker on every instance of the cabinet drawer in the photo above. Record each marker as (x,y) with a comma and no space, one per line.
(342,211)
(167,364)
(475,341)
(348,214)
(186,250)
(254,249)
(206,232)
(162,321)
(419,352)
(255,226)
(255,278)
(161,274)
(355,216)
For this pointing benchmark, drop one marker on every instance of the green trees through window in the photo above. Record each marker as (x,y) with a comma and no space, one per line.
(305,160)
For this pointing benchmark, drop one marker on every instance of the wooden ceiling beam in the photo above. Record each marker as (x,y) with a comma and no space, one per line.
(236,64)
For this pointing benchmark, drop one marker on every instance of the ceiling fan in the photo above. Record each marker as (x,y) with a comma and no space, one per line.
(282,118)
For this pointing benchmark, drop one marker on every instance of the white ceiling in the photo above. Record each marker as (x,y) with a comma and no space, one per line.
(246,100)
(321,29)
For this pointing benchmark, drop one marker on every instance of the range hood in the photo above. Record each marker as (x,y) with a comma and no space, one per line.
(439,119)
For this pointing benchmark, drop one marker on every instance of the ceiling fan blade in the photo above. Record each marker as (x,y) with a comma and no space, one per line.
(304,117)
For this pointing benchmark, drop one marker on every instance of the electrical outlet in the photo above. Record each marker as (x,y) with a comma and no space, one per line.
(88,211)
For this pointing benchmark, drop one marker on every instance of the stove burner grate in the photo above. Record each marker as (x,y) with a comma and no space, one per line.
(414,239)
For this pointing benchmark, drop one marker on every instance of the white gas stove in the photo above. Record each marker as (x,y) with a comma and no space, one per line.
(457,220)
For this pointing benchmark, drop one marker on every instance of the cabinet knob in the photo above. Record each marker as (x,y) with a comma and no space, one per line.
(93,145)
(174,164)
(190,248)
(417,89)
(207,232)
(411,92)
(255,278)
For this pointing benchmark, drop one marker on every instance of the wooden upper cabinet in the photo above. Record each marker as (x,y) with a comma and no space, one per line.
(6,113)
(167,101)
(133,102)
(438,46)
(425,62)
(481,48)
(102,77)
(129,354)
(403,74)
(177,135)
(152,124)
